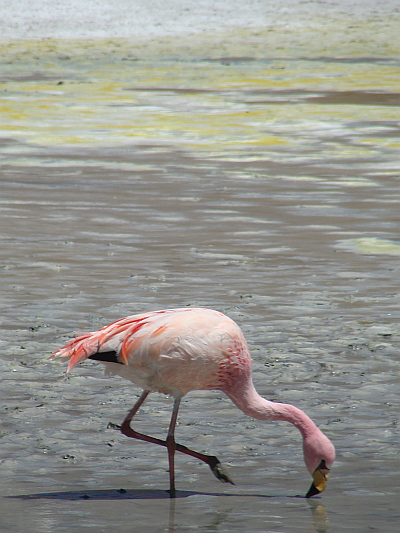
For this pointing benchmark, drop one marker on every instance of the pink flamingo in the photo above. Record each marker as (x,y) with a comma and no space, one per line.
(175,351)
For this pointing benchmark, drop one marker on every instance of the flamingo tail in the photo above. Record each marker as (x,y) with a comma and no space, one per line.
(110,344)
(82,347)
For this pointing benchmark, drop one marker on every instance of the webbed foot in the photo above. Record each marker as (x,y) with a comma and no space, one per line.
(219,471)
(111,425)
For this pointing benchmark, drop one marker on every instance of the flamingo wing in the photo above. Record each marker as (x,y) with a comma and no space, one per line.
(116,338)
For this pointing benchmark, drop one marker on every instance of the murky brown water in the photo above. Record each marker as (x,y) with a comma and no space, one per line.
(262,183)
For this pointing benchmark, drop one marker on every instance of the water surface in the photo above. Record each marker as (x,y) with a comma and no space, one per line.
(251,171)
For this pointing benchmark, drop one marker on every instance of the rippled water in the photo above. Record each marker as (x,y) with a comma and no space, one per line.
(223,173)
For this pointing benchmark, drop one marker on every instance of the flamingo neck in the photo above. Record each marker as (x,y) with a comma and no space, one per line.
(252,404)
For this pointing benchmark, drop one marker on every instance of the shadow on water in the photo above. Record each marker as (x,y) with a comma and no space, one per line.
(120,494)
(319,516)
(136,494)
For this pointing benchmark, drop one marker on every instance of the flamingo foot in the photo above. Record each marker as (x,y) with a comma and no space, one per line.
(111,425)
(219,471)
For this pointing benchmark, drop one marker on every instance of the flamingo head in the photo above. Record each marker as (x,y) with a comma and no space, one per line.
(319,455)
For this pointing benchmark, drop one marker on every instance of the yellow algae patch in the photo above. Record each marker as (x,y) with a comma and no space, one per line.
(379,141)
(372,245)
(12,113)
(357,182)
(237,90)
(301,178)
(266,140)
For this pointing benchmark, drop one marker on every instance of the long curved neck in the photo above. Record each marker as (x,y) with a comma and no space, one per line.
(252,404)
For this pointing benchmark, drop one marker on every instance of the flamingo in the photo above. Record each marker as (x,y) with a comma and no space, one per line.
(175,351)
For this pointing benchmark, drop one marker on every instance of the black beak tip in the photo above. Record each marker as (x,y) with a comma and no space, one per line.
(312,491)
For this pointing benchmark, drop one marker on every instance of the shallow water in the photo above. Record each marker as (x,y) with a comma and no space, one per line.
(223,171)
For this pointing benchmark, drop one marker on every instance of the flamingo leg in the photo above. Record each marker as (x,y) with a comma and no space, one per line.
(136,407)
(172,446)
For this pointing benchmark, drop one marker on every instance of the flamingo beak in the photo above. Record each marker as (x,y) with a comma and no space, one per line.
(320,479)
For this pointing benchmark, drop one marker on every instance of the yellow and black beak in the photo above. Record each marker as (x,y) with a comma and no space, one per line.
(320,479)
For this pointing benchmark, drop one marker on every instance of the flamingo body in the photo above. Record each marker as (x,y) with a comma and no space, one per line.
(172,351)
(175,351)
